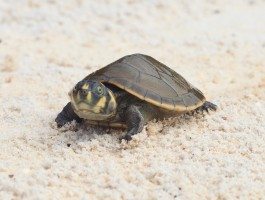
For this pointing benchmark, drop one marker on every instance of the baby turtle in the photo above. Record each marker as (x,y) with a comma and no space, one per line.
(130,92)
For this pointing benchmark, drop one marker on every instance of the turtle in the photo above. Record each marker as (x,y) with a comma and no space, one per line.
(130,92)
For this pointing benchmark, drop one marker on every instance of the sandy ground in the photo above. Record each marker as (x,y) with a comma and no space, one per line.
(47,46)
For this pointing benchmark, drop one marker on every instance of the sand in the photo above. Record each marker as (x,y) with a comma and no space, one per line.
(47,46)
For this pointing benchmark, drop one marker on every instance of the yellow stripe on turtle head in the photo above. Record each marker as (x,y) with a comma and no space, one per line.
(89,97)
(85,86)
(112,101)
(102,102)
(100,105)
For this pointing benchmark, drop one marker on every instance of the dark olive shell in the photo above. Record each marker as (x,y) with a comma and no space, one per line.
(152,81)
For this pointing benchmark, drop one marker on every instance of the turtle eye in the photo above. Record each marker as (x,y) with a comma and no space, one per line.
(99,90)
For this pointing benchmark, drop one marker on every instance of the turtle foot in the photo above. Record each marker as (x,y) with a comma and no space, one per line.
(60,121)
(127,138)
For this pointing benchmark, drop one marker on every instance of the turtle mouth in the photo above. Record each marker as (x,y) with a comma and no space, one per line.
(86,111)
(83,106)
(92,114)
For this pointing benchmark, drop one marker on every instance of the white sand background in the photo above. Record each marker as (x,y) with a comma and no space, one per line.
(47,46)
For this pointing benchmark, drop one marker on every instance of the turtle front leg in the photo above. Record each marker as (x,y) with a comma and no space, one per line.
(134,121)
(67,115)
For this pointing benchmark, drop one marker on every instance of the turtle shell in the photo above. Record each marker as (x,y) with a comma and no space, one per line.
(152,81)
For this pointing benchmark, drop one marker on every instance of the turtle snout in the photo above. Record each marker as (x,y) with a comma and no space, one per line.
(83,93)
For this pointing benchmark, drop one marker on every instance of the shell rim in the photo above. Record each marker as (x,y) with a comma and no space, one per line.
(166,106)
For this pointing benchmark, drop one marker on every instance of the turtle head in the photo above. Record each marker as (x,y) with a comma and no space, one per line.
(92,100)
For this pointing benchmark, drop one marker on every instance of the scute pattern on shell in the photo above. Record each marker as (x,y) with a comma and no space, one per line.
(152,81)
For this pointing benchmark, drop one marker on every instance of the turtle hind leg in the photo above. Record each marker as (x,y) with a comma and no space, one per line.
(207,106)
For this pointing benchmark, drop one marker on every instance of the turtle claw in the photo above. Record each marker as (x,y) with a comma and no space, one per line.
(60,122)
(127,138)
